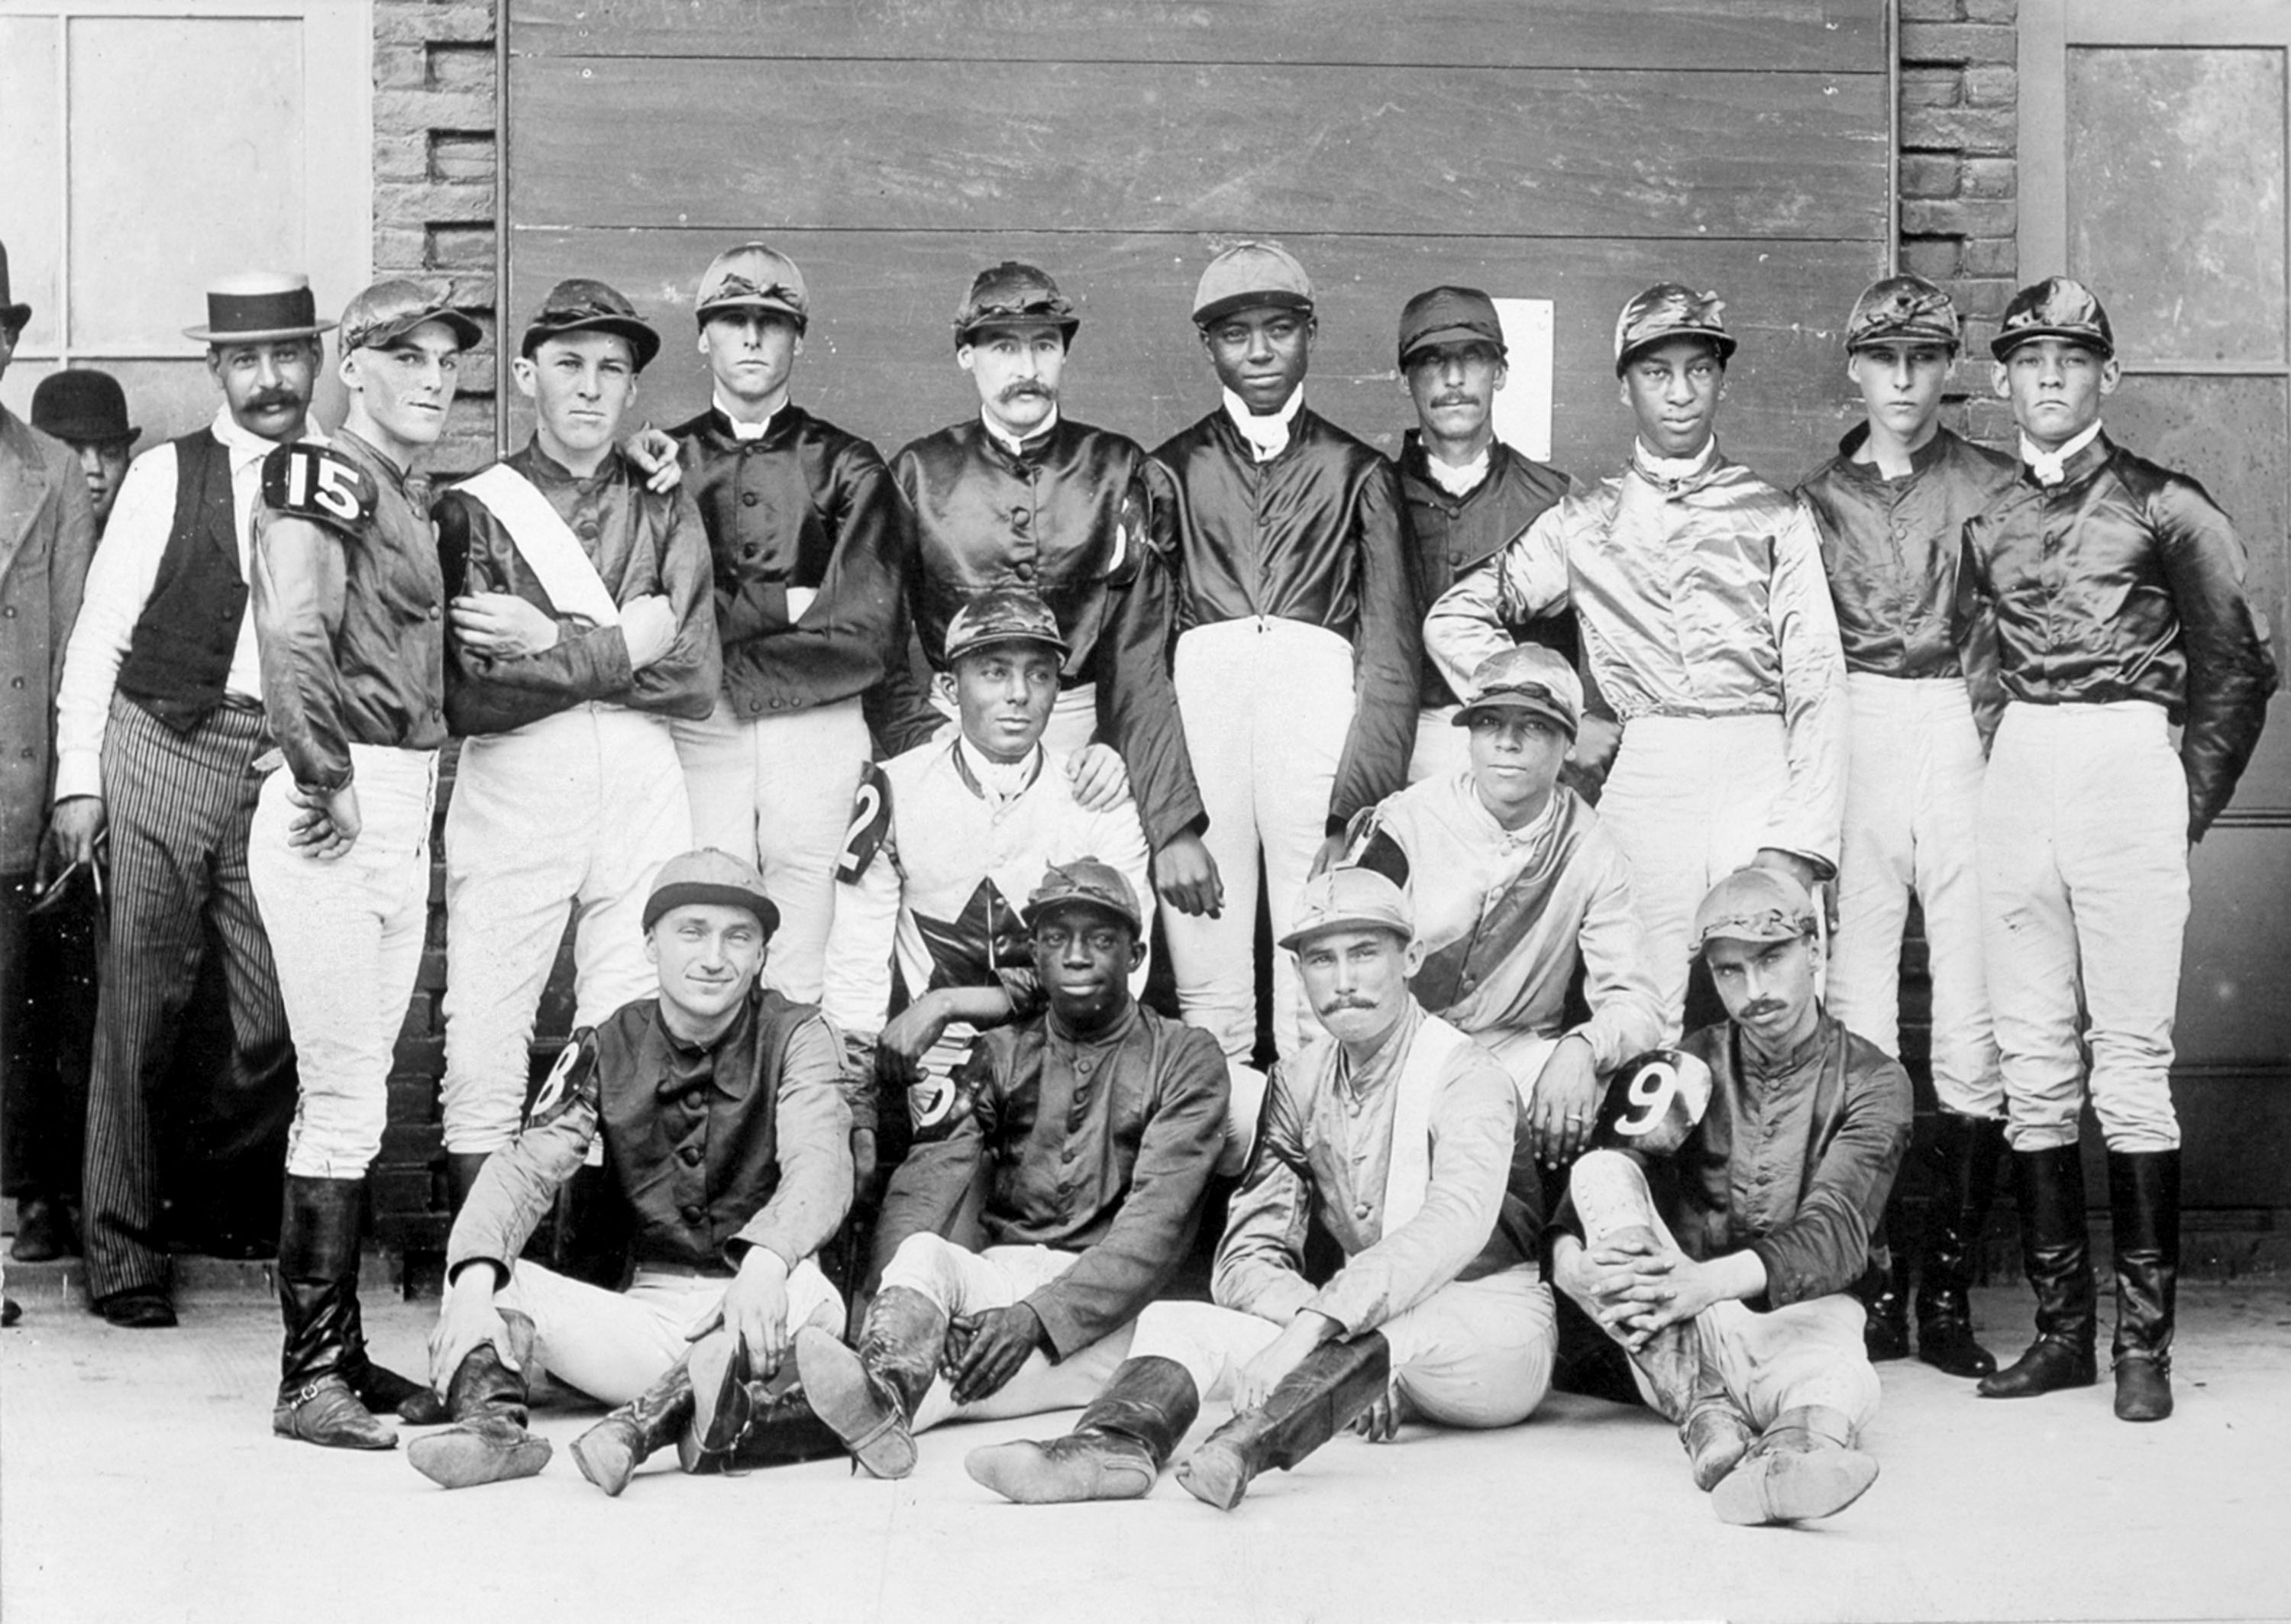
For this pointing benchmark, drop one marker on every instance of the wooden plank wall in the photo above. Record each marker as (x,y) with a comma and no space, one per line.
(1569,150)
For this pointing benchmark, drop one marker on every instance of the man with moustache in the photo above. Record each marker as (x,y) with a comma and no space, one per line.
(350,605)
(1024,496)
(1298,647)
(1516,888)
(1096,1125)
(580,621)
(1700,592)
(804,527)
(1731,1289)
(720,1111)
(1464,492)
(2119,588)
(46,535)
(943,837)
(1891,508)
(1395,1134)
(87,410)
(160,725)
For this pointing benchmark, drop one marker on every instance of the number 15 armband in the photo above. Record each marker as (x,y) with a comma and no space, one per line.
(1654,1101)
(302,480)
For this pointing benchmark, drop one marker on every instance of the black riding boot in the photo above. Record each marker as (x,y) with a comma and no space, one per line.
(1884,1290)
(610,1453)
(741,1422)
(1309,1406)
(317,1298)
(461,1170)
(2056,1251)
(488,1442)
(1961,1168)
(2143,1198)
(1116,1451)
(868,1394)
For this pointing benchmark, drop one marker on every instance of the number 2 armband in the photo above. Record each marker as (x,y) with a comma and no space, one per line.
(302,480)
(870,822)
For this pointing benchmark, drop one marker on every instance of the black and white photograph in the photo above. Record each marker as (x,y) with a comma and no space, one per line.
(1259,811)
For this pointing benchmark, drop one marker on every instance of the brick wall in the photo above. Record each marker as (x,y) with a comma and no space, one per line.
(433,181)
(1960,190)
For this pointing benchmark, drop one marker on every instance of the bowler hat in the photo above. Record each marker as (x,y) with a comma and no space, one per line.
(258,306)
(1666,311)
(84,407)
(2058,307)
(582,304)
(13,316)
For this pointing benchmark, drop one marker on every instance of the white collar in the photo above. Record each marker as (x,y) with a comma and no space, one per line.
(1528,832)
(1674,470)
(2051,467)
(745,431)
(1003,781)
(1016,445)
(1268,436)
(246,445)
(1458,478)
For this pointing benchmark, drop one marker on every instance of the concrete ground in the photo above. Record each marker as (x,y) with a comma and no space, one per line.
(139,1481)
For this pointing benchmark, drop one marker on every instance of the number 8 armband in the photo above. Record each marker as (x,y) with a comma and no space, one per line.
(1653,1101)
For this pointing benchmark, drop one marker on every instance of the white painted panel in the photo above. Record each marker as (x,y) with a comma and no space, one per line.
(1522,406)
(186,138)
(31,177)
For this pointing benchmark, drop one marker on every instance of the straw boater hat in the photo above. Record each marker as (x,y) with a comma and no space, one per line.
(259,305)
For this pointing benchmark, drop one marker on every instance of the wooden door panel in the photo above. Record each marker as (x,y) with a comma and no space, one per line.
(1772,36)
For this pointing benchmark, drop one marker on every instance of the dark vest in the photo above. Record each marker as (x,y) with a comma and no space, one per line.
(179,655)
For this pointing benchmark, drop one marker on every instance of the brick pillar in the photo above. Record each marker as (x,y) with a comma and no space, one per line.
(1960,190)
(435,160)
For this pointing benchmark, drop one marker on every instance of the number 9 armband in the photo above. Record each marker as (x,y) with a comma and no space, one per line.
(1653,1101)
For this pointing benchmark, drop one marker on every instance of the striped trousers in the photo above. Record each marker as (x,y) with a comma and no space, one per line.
(178,807)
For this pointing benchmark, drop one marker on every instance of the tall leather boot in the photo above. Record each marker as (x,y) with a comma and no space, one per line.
(1116,1451)
(2144,1200)
(741,1422)
(486,1400)
(1961,1179)
(609,1453)
(461,1170)
(1803,1467)
(868,1394)
(1306,1409)
(1884,1290)
(317,1298)
(2056,1252)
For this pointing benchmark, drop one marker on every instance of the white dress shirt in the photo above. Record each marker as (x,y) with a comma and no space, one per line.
(119,584)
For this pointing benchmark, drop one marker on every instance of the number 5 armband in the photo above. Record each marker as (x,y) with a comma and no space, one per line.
(302,480)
